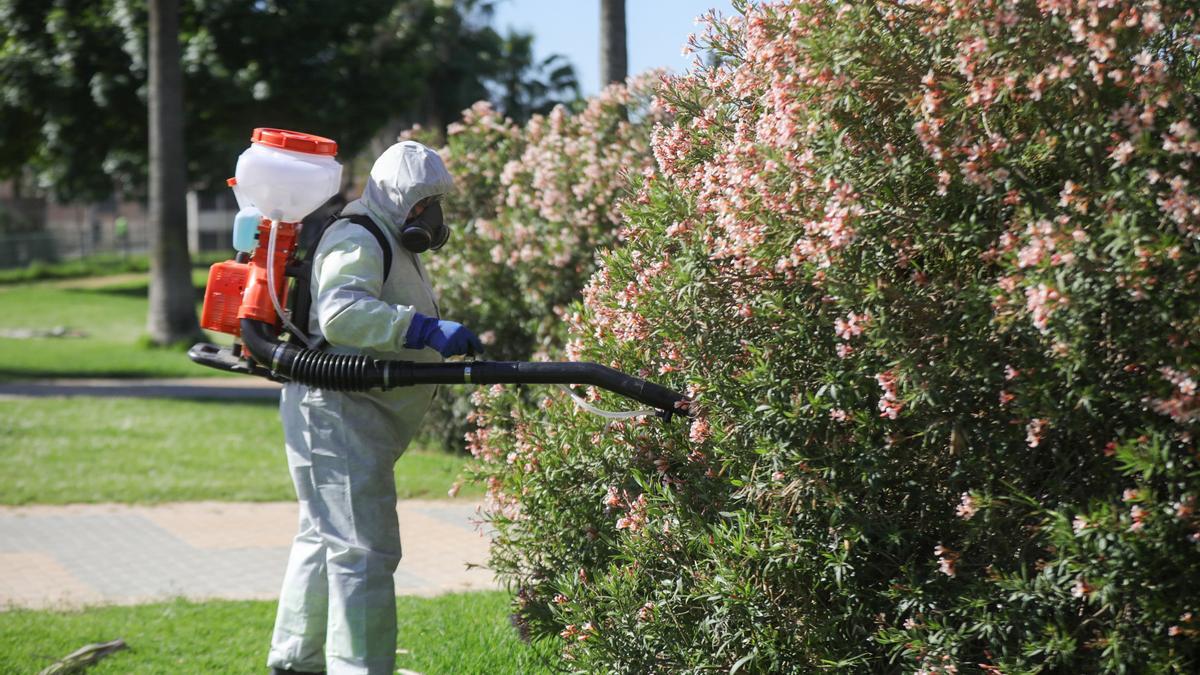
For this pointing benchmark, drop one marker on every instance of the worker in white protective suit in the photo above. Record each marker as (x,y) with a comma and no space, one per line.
(337,610)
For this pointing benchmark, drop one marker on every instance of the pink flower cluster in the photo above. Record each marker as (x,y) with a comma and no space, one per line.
(1182,205)
(1035,431)
(578,633)
(937,665)
(890,404)
(539,199)
(1137,514)
(849,328)
(636,518)
(646,612)
(700,429)
(1041,301)
(613,498)
(1187,626)
(968,507)
(947,560)
(1183,405)
(1185,509)
(1045,242)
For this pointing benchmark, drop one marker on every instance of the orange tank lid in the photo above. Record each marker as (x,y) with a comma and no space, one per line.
(294,141)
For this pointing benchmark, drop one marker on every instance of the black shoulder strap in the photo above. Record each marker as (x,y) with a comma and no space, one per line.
(301,296)
(380,237)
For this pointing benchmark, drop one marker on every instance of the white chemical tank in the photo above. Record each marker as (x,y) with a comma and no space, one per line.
(286,174)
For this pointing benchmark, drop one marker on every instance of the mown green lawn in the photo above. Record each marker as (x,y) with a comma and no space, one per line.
(99,265)
(93,449)
(111,314)
(91,266)
(69,450)
(83,449)
(456,633)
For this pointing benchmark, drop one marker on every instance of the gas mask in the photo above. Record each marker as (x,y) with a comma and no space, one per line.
(426,231)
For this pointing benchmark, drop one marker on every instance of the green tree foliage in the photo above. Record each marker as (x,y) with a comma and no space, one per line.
(929,271)
(467,62)
(527,87)
(73,84)
(72,94)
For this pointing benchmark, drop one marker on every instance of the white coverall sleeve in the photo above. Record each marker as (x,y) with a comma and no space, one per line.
(348,283)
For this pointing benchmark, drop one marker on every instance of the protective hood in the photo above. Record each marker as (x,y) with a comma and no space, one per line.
(403,175)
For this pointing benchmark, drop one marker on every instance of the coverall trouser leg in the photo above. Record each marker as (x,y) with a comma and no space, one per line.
(337,609)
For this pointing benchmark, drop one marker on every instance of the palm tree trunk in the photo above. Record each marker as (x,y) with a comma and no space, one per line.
(614,65)
(172,315)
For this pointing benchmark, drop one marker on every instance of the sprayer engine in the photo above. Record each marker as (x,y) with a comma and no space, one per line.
(239,289)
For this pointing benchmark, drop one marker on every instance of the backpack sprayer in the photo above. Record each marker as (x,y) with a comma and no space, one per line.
(280,179)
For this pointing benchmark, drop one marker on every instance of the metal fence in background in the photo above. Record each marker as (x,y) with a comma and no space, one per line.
(34,230)
(19,249)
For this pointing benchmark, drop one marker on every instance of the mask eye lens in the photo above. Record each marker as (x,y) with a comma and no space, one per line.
(420,207)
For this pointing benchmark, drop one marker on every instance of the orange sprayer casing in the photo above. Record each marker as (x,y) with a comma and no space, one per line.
(238,291)
(223,297)
(256,300)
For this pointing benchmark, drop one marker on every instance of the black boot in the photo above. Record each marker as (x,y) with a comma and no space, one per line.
(285,671)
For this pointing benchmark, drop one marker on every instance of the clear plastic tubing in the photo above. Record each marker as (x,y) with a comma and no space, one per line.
(271,286)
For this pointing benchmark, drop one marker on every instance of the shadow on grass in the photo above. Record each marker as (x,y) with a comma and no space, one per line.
(10,373)
(240,396)
(271,403)
(31,382)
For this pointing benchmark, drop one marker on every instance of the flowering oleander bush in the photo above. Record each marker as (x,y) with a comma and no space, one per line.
(930,272)
(532,205)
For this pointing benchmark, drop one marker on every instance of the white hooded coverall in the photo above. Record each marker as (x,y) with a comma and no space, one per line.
(337,609)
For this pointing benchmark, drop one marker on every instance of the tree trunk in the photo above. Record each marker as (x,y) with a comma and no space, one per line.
(614,65)
(172,315)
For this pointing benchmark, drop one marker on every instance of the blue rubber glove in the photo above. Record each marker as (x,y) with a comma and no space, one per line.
(448,337)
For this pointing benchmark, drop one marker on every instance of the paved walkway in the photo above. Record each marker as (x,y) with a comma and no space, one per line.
(77,555)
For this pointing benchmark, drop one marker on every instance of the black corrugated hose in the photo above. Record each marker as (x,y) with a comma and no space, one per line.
(342,372)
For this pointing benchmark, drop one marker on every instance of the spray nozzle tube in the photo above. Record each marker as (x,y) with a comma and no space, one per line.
(355,372)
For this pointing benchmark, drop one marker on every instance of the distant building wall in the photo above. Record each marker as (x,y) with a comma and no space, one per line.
(37,228)
(210,220)
(87,229)
(23,238)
